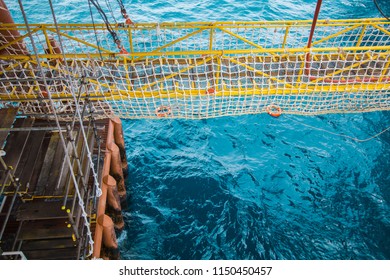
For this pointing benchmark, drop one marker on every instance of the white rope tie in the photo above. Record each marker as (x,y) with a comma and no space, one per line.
(339,134)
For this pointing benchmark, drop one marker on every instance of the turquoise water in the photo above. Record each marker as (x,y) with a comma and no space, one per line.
(255,187)
(250,187)
(77,11)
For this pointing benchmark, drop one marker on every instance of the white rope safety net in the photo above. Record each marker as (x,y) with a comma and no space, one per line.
(200,70)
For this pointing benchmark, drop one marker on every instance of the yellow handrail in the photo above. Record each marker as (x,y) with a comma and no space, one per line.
(203,69)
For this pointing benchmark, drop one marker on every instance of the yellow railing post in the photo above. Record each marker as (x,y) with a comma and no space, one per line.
(218,74)
(47,40)
(211,37)
(130,34)
(250,53)
(286,36)
(361,36)
(128,81)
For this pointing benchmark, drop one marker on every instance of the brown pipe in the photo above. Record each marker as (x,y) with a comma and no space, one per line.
(116,170)
(101,208)
(10,34)
(98,237)
(114,204)
(103,198)
(111,250)
(118,133)
(120,142)
(313,27)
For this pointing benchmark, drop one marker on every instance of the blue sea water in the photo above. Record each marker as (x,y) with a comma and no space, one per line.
(250,187)
(255,187)
(77,11)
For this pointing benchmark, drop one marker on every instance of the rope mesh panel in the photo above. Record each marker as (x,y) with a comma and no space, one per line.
(202,70)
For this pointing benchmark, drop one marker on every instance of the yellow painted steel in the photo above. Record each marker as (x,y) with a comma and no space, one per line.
(381,29)
(19,38)
(357,64)
(336,34)
(286,25)
(144,55)
(285,36)
(159,49)
(361,36)
(263,24)
(260,72)
(211,38)
(78,40)
(175,74)
(115,93)
(119,95)
(185,47)
(241,38)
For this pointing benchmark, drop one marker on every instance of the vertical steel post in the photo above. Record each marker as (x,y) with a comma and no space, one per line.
(313,27)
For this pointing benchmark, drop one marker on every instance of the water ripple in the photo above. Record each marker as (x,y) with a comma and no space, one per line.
(76,11)
(249,187)
(212,190)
